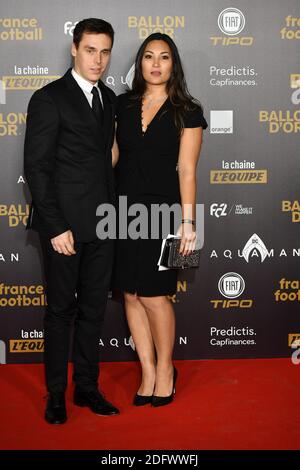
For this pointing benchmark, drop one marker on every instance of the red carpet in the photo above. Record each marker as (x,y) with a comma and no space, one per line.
(219,404)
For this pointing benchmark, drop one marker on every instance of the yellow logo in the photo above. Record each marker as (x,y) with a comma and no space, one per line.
(236,41)
(287,32)
(294,339)
(16,214)
(147,25)
(26,345)
(20,29)
(181,287)
(289,291)
(295,80)
(293,207)
(9,123)
(22,296)
(27,82)
(285,121)
(232,303)
(238,176)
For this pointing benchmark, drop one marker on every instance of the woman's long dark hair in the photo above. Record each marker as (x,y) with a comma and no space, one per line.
(177,90)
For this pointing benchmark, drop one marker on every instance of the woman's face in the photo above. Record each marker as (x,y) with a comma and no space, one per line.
(157,63)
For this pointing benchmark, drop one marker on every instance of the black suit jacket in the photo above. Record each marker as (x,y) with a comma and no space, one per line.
(67,159)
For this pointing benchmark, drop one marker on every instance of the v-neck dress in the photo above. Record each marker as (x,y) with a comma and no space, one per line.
(147,173)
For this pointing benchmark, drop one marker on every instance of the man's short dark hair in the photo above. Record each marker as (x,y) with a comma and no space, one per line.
(92,25)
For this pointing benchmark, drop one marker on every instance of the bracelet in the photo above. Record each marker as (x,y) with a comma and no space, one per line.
(188,221)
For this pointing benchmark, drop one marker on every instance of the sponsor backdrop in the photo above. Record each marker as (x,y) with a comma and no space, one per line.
(241,60)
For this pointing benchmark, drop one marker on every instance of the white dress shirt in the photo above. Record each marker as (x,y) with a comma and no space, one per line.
(86,87)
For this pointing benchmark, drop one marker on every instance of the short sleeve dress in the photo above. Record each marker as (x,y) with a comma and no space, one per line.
(147,174)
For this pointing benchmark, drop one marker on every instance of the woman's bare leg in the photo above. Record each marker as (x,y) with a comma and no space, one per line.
(139,326)
(162,323)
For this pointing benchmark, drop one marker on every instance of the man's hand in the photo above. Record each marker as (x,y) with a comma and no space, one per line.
(64,243)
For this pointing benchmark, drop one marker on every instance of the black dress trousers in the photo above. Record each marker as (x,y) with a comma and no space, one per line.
(77,290)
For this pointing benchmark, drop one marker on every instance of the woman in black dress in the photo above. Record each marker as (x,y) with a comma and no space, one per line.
(159,134)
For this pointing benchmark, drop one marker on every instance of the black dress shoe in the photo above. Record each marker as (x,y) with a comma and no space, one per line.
(141,400)
(56,408)
(161,401)
(95,401)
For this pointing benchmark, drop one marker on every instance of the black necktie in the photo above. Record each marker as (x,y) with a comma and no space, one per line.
(97,106)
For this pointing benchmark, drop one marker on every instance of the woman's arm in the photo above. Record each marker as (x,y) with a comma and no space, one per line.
(115,151)
(190,145)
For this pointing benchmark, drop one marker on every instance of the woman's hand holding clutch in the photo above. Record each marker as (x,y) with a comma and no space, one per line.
(187,232)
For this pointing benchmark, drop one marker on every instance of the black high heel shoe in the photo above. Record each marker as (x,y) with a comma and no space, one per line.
(141,400)
(161,401)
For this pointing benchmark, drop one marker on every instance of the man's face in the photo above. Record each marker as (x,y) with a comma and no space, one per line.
(92,56)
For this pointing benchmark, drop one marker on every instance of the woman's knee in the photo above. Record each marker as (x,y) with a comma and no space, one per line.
(131,299)
(153,303)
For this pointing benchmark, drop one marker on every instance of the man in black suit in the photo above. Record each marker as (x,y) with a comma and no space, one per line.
(68,166)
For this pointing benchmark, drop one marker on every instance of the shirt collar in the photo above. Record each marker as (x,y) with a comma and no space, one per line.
(84,84)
